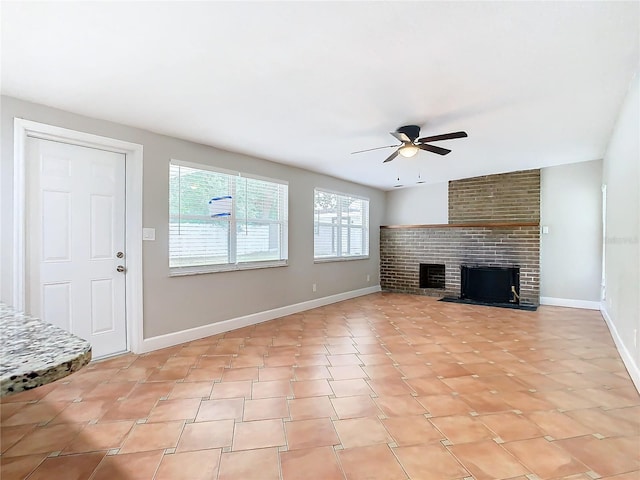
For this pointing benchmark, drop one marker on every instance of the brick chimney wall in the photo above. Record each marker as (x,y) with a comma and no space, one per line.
(508,197)
(493,221)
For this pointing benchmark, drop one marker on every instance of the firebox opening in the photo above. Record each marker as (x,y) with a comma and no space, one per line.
(490,284)
(431,275)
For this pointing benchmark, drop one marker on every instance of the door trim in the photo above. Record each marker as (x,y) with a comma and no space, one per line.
(22,129)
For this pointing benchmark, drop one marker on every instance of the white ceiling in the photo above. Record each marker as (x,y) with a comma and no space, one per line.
(305,83)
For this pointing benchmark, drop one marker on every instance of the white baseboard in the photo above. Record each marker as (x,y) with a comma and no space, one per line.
(568,302)
(176,338)
(629,362)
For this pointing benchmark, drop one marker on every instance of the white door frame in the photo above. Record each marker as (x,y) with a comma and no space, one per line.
(603,281)
(133,191)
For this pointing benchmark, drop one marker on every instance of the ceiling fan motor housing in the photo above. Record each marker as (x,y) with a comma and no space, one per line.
(411,131)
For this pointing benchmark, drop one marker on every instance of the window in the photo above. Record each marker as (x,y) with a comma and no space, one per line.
(225,220)
(341,226)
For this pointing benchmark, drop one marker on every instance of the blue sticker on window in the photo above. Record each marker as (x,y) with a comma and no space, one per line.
(220,206)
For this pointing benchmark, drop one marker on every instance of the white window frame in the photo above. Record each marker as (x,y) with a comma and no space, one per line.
(365,229)
(233,263)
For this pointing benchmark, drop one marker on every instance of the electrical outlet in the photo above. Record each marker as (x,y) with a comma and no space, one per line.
(313,287)
(368,278)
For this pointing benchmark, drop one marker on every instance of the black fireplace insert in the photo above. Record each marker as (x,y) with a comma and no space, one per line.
(490,284)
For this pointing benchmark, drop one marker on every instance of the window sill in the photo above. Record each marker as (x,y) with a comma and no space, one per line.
(339,259)
(184,271)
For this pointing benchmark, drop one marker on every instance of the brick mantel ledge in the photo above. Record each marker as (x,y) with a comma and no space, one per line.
(468,225)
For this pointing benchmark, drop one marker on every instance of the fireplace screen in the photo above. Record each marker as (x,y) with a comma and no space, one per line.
(490,284)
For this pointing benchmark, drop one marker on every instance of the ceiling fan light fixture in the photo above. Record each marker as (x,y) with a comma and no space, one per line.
(408,150)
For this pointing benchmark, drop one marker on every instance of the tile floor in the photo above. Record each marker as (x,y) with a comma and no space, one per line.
(385,387)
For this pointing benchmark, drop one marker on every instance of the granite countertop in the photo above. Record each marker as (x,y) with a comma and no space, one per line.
(34,352)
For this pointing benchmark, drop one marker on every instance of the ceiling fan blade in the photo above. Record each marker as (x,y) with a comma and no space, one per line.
(445,136)
(391,157)
(377,148)
(434,149)
(401,136)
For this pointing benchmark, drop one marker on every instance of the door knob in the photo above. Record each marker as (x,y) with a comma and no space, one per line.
(120,268)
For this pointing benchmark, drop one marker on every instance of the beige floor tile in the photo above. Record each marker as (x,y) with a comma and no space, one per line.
(601,422)
(129,409)
(374,462)
(224,409)
(132,466)
(429,462)
(558,425)
(311,388)
(34,413)
(412,430)
(9,436)
(487,460)
(312,433)
(314,372)
(359,432)
(20,467)
(270,389)
(177,409)
(389,387)
(101,436)
(152,436)
(400,405)
(265,409)
(312,407)
(206,435)
(69,467)
(349,388)
(259,464)
(258,434)
(231,390)
(191,390)
(44,440)
(544,458)
(353,407)
(462,429)
(605,457)
(312,463)
(200,465)
(240,374)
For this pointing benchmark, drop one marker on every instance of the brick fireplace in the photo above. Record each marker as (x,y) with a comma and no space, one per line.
(493,222)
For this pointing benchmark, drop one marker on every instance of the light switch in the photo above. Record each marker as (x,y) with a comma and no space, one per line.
(545,229)
(148,234)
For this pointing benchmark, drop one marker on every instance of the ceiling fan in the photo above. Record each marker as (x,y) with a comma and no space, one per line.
(411,144)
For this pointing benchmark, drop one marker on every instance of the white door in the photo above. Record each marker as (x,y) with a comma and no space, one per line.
(76,241)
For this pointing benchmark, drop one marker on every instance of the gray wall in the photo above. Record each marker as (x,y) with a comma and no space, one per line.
(423,205)
(172,304)
(622,257)
(570,254)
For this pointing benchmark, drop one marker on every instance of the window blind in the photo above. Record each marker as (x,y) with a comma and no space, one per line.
(341,225)
(221,220)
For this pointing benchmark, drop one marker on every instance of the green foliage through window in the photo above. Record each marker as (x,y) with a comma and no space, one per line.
(341,225)
(225,219)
